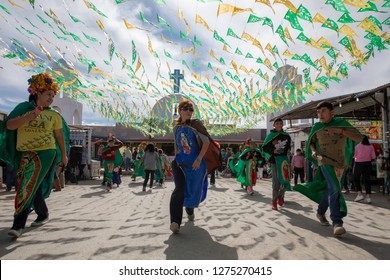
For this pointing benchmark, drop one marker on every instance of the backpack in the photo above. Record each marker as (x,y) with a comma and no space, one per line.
(213,154)
(213,157)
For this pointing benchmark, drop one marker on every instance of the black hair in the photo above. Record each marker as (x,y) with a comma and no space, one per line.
(150,148)
(33,97)
(325,104)
(278,120)
(298,150)
(365,140)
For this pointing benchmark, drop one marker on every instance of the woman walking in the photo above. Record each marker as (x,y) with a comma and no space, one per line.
(189,166)
(150,161)
(364,155)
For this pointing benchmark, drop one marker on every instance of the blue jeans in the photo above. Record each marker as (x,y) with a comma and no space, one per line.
(331,200)
(388,181)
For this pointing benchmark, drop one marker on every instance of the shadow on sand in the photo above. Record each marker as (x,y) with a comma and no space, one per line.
(195,243)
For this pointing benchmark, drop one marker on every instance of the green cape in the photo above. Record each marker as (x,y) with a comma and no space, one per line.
(233,162)
(138,170)
(280,160)
(283,170)
(315,189)
(8,151)
(118,157)
(271,136)
(242,172)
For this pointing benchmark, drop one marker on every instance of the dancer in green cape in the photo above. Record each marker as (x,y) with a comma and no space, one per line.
(330,146)
(276,147)
(112,159)
(246,167)
(232,161)
(138,169)
(34,138)
(166,170)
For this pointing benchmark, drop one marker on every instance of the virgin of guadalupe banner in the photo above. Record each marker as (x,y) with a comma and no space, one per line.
(284,172)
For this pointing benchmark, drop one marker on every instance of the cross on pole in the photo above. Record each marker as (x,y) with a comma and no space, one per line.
(176,77)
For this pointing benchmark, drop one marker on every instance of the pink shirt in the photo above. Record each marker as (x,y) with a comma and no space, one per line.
(298,161)
(364,153)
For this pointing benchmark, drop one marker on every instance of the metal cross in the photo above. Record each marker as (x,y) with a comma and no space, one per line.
(176,77)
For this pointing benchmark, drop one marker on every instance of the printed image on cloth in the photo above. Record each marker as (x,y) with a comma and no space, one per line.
(37,134)
(110,167)
(34,168)
(284,173)
(184,143)
(196,179)
(280,145)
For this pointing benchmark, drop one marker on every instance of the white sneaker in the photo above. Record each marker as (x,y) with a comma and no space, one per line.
(338,230)
(367,200)
(359,198)
(15,233)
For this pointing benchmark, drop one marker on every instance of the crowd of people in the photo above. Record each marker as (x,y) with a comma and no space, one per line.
(334,149)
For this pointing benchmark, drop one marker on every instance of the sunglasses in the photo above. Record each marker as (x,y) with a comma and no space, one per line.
(187,109)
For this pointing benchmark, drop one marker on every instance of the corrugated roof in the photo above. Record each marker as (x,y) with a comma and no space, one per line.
(368,107)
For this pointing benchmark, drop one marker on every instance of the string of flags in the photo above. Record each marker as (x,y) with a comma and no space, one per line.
(240,60)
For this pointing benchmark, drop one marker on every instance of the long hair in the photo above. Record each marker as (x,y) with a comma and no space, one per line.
(184,103)
(150,148)
(365,141)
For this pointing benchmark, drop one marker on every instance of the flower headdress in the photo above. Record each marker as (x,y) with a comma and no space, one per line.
(41,82)
(249,141)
